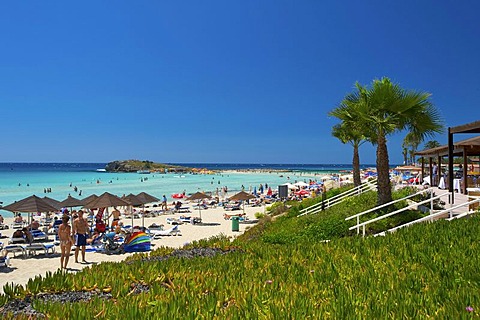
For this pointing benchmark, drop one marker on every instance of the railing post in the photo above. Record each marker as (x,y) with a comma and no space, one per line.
(358,222)
(364,230)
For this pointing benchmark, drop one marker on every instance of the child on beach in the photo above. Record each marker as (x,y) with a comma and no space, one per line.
(66,241)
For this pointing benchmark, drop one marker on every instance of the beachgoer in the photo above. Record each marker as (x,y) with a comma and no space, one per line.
(18,218)
(27,235)
(434,174)
(116,217)
(164,203)
(66,241)
(35,225)
(1,219)
(80,231)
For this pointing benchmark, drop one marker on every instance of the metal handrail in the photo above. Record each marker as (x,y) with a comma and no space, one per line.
(363,224)
(336,199)
(437,214)
(389,203)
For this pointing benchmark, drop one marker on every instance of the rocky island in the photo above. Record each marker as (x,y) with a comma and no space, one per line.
(143,167)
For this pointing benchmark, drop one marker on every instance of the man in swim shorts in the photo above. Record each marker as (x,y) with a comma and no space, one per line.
(80,231)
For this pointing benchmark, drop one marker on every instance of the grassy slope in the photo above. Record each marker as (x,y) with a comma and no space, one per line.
(427,270)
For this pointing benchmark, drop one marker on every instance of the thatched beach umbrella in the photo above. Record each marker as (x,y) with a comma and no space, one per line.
(71,202)
(106,200)
(242,196)
(199,196)
(133,200)
(29,205)
(53,202)
(146,198)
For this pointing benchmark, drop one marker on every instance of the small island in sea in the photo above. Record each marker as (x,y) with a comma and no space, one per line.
(144,166)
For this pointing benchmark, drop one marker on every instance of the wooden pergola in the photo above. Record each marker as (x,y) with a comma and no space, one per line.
(464,148)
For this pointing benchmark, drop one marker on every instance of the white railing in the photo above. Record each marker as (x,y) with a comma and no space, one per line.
(416,204)
(358,215)
(366,186)
(440,213)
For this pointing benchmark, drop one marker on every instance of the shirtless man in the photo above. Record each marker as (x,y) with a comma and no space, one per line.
(66,241)
(80,231)
(116,218)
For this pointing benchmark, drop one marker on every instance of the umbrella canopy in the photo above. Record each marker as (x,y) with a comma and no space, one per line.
(89,199)
(301,184)
(146,198)
(302,193)
(242,195)
(30,204)
(52,202)
(199,196)
(106,200)
(133,200)
(71,202)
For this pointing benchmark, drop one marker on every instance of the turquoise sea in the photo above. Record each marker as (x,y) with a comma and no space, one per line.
(20,180)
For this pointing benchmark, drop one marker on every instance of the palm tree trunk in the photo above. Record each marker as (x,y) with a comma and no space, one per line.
(383,186)
(356,167)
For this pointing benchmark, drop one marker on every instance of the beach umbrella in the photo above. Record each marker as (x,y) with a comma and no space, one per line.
(302,193)
(71,202)
(146,198)
(89,199)
(301,184)
(53,202)
(242,196)
(199,196)
(106,200)
(133,200)
(29,205)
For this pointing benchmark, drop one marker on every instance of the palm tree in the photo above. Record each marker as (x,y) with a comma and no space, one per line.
(347,133)
(413,141)
(385,109)
(431,144)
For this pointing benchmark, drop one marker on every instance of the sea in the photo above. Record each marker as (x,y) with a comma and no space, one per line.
(59,180)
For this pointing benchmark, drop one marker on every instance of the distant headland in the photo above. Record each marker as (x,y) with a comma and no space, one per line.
(144,166)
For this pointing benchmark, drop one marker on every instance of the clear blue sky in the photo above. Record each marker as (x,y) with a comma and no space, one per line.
(220,81)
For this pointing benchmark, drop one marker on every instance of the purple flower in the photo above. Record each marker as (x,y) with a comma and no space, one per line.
(469,309)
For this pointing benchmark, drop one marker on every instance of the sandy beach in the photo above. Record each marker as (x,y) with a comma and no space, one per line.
(23,268)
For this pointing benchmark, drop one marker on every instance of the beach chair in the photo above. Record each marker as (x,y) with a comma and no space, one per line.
(18,225)
(3,226)
(39,235)
(16,248)
(173,231)
(46,248)
(17,240)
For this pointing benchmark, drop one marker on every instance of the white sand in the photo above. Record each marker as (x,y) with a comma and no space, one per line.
(22,269)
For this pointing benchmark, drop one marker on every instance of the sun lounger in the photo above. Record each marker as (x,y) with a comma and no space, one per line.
(3,226)
(173,231)
(39,235)
(182,210)
(18,225)
(15,248)
(4,261)
(173,221)
(45,247)
(17,240)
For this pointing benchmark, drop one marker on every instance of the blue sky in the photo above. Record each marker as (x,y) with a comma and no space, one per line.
(220,81)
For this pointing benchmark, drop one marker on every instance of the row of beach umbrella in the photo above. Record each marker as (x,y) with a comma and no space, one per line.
(35,204)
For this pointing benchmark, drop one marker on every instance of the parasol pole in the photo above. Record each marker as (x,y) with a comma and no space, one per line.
(131,213)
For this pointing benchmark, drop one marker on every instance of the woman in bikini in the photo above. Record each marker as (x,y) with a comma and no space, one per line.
(66,241)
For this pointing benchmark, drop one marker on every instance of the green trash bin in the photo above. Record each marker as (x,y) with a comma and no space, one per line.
(235,224)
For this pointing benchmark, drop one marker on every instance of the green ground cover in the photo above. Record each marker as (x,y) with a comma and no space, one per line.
(283,269)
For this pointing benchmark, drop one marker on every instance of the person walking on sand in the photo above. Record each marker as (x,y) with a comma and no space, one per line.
(164,203)
(66,241)
(80,230)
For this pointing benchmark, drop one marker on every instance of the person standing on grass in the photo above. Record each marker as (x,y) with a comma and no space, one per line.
(66,241)
(80,231)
